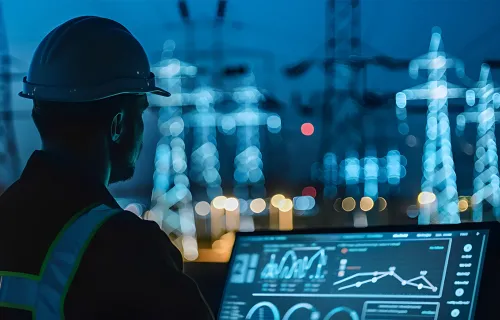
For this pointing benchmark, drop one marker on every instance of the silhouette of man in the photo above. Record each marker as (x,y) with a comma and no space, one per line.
(67,250)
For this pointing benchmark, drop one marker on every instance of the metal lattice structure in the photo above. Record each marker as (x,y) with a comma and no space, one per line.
(439,200)
(486,177)
(343,40)
(9,154)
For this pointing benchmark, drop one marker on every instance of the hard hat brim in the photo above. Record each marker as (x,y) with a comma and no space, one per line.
(156,91)
(161,92)
(85,94)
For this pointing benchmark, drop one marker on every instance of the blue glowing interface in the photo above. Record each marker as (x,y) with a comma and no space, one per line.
(359,276)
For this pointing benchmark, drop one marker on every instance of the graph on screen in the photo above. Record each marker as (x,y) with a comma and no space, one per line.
(293,266)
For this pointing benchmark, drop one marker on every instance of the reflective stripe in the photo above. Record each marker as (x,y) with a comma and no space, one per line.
(16,290)
(47,295)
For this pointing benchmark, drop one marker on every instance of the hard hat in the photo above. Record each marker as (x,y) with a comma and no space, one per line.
(87,59)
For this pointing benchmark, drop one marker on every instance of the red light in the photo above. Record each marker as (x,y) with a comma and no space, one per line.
(309,191)
(307,129)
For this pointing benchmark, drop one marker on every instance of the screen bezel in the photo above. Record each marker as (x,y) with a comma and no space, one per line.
(488,284)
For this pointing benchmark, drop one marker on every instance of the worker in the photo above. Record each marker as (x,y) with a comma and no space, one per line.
(67,249)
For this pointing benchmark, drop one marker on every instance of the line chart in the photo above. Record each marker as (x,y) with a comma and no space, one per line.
(293,267)
(420,282)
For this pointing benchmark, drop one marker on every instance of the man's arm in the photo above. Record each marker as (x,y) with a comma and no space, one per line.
(183,292)
(132,270)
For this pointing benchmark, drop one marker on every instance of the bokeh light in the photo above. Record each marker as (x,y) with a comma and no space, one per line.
(382,204)
(219,202)
(304,203)
(258,205)
(403,128)
(189,248)
(276,199)
(401,100)
(244,205)
(231,204)
(352,170)
(274,124)
(425,198)
(412,211)
(202,208)
(337,205)
(463,205)
(285,205)
(191,254)
(348,204)
(309,191)
(366,203)
(307,129)
(411,141)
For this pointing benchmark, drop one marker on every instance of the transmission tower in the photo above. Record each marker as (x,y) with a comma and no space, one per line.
(9,154)
(343,40)
(486,178)
(439,199)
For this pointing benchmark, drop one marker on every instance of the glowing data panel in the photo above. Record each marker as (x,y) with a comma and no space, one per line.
(290,266)
(361,276)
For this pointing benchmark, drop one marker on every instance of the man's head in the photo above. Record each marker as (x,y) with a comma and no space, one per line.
(110,129)
(88,79)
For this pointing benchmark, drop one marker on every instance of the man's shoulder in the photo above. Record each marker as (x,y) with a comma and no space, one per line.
(129,234)
(126,221)
(127,224)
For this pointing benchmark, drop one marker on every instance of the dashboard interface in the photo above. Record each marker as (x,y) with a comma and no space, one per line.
(355,276)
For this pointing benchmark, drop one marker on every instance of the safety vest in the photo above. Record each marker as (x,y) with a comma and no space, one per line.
(44,294)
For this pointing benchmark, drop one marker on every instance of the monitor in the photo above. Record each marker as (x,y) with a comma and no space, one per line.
(428,273)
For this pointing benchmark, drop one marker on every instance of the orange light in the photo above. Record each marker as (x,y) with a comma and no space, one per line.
(258,205)
(219,202)
(348,204)
(425,198)
(366,204)
(275,201)
(285,205)
(463,205)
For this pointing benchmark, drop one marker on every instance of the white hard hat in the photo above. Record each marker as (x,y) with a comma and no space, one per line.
(87,59)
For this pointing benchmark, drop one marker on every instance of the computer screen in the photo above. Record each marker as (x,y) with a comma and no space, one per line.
(355,276)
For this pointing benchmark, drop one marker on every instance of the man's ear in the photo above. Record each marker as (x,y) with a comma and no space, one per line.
(117,127)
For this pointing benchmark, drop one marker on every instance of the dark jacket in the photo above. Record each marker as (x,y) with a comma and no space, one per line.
(130,270)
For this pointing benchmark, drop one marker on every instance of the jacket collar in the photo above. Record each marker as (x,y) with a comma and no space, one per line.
(41,167)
